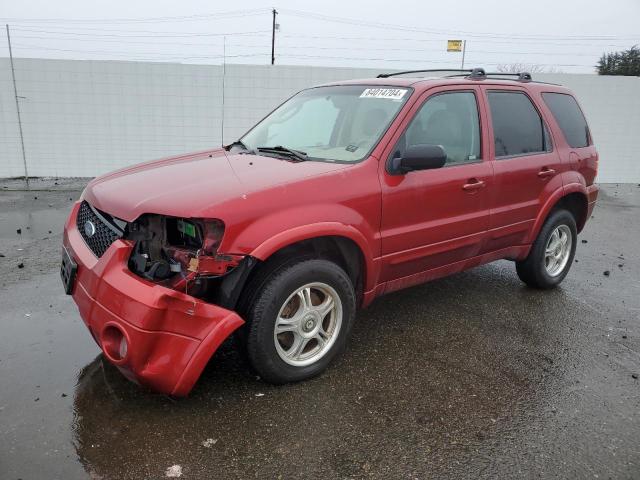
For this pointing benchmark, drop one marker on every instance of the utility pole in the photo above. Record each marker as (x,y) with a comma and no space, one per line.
(15,94)
(464,49)
(273,37)
(224,74)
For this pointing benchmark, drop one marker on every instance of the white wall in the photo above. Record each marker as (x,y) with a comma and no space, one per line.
(612,107)
(83,118)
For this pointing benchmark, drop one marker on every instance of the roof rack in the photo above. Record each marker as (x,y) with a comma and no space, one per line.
(472,74)
(480,74)
(520,76)
(387,75)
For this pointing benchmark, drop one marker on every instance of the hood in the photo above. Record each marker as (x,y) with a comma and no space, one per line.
(191,185)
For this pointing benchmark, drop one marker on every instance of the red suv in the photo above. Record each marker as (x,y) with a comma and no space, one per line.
(343,193)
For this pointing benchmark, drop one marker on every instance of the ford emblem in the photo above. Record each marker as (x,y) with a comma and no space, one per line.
(89,228)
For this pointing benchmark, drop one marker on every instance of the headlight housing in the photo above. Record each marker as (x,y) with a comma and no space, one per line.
(169,249)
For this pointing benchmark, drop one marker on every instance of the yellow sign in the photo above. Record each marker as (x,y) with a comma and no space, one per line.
(454,45)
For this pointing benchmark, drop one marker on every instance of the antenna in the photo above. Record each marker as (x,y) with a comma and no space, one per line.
(224,73)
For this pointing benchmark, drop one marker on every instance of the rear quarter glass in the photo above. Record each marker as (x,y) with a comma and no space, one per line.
(569,117)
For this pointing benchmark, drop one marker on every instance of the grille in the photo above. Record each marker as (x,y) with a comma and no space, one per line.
(104,233)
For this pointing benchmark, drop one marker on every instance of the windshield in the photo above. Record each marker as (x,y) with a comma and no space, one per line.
(338,123)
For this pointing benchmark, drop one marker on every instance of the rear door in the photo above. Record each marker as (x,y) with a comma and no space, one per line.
(433,218)
(526,167)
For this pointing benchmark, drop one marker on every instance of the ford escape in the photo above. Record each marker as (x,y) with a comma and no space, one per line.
(343,193)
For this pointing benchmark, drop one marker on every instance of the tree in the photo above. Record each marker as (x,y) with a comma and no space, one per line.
(525,67)
(626,62)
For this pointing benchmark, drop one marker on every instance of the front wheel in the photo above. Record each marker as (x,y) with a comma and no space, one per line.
(552,252)
(299,321)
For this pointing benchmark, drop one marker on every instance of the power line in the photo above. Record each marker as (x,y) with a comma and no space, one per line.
(129,42)
(147,34)
(439,40)
(180,18)
(168,56)
(263,33)
(129,53)
(315,16)
(73,31)
(438,50)
(289,47)
(316,47)
(424,61)
(359,22)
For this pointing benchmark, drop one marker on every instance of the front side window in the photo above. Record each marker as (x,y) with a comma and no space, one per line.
(450,120)
(336,123)
(517,126)
(570,119)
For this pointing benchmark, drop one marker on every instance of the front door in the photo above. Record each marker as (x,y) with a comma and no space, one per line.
(434,218)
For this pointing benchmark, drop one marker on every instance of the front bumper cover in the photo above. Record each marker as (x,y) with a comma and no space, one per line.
(170,335)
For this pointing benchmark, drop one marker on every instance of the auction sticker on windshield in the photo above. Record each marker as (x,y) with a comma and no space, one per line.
(390,93)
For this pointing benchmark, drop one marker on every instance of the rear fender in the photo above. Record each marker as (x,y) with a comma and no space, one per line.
(551,202)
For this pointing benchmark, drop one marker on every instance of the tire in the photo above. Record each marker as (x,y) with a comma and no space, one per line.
(309,337)
(540,270)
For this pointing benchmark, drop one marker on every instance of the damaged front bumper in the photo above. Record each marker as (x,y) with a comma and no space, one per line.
(156,336)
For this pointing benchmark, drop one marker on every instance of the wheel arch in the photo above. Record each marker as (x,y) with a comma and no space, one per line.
(576,203)
(339,247)
(572,198)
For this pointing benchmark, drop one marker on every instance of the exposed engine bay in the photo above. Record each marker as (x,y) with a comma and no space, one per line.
(181,254)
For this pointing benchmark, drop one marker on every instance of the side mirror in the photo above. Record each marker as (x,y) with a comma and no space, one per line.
(419,157)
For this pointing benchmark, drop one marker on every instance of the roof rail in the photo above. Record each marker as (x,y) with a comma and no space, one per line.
(471,74)
(521,76)
(480,74)
(387,75)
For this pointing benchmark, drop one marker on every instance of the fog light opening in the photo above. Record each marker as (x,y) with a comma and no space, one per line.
(122,351)
(114,344)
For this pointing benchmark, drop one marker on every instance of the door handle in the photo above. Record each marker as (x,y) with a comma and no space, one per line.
(474,184)
(546,172)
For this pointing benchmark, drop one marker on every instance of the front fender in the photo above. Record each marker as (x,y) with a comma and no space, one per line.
(267,235)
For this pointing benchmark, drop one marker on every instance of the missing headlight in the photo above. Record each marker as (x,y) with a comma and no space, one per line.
(167,248)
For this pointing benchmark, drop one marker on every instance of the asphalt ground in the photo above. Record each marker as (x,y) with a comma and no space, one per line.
(471,376)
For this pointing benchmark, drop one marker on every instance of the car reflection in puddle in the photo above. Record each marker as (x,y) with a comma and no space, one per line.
(429,388)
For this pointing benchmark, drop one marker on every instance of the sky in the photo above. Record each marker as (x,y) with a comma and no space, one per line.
(550,35)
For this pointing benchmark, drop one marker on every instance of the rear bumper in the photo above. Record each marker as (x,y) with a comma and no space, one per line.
(170,335)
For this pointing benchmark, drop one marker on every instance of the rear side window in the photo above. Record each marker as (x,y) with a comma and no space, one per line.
(517,126)
(567,113)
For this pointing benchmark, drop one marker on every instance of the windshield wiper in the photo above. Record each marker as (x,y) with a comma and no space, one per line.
(289,152)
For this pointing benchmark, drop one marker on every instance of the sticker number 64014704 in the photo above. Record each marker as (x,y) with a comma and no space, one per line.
(390,93)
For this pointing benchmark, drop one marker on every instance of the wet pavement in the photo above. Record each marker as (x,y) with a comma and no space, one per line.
(472,376)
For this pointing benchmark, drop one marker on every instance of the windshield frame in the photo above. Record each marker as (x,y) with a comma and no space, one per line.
(405,102)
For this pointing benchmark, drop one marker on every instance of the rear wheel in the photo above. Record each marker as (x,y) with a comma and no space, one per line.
(552,252)
(299,320)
